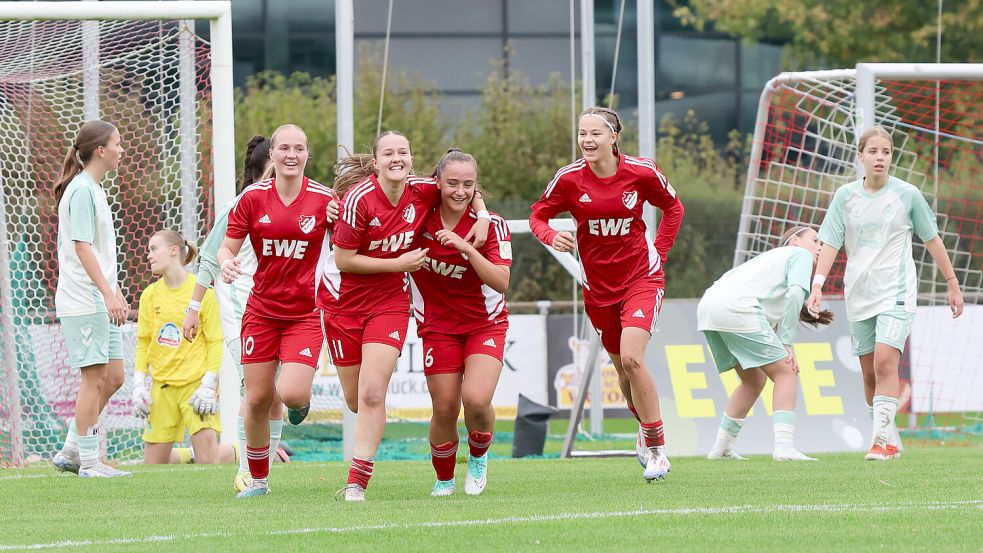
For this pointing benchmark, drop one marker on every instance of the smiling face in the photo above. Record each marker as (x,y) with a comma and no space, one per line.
(392,158)
(875,155)
(160,254)
(289,152)
(457,185)
(595,138)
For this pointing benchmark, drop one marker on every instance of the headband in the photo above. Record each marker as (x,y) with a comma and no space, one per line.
(606,122)
(794,234)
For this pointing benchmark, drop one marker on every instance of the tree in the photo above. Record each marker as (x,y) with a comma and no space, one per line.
(846,32)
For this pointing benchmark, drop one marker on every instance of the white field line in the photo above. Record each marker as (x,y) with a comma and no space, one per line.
(683,511)
(57,474)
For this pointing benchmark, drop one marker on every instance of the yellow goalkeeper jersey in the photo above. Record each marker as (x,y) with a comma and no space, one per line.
(161,347)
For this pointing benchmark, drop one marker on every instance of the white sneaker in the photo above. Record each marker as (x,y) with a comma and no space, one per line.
(790,454)
(477,477)
(724,453)
(351,492)
(101,470)
(443,488)
(642,453)
(65,461)
(658,466)
(242,481)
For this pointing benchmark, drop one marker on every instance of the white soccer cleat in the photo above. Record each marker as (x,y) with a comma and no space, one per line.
(658,466)
(255,489)
(242,481)
(726,453)
(442,488)
(351,492)
(477,477)
(790,454)
(102,470)
(642,453)
(66,461)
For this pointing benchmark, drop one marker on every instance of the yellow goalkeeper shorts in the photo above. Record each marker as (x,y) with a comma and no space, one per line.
(170,414)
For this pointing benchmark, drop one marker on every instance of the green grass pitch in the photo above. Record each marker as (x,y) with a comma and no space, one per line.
(929,500)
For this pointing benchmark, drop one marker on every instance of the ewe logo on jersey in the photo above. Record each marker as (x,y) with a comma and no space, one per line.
(307,223)
(609,227)
(444,269)
(284,248)
(629,199)
(409,214)
(393,243)
(169,335)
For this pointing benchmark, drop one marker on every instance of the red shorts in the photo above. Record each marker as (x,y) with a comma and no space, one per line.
(445,353)
(639,309)
(289,340)
(346,334)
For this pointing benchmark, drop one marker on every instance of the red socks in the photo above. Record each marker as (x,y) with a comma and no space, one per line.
(259,461)
(634,413)
(444,457)
(479,443)
(361,471)
(653,434)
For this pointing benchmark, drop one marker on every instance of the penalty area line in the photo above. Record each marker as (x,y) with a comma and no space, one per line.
(682,511)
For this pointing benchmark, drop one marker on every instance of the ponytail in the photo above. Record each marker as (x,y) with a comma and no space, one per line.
(174,238)
(190,252)
(91,135)
(69,169)
(824,317)
(257,159)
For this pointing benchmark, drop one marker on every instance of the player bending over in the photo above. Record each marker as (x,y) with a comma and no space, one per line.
(873,218)
(749,317)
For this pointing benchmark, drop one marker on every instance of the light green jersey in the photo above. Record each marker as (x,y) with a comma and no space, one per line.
(231,298)
(876,228)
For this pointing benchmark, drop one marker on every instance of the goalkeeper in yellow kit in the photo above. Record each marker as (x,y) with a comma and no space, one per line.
(182,389)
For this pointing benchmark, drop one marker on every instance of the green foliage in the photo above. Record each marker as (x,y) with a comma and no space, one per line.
(845,32)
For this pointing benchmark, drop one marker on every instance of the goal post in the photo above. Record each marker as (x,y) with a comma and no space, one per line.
(140,66)
(804,148)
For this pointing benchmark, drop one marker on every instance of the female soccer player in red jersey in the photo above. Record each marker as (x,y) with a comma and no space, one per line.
(362,284)
(285,218)
(622,266)
(459,304)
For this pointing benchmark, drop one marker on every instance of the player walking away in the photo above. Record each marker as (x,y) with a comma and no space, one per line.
(874,217)
(183,389)
(623,275)
(88,301)
(749,317)
(459,304)
(232,303)
(285,219)
(363,288)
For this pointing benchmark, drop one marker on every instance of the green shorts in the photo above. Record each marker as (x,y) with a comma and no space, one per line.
(747,349)
(891,328)
(91,340)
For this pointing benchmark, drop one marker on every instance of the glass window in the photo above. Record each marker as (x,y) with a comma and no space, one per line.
(430,17)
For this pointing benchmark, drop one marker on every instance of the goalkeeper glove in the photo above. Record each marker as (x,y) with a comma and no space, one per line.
(205,401)
(140,396)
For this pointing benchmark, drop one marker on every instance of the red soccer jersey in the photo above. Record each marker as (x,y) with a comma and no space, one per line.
(287,240)
(448,295)
(370,224)
(616,247)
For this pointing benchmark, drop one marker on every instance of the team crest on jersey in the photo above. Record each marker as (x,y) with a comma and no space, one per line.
(169,335)
(629,199)
(409,214)
(307,223)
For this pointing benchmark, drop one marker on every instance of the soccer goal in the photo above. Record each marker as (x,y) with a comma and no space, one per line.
(804,148)
(140,66)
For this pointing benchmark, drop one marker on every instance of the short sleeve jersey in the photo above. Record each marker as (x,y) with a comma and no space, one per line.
(371,225)
(231,297)
(287,241)
(84,216)
(733,302)
(616,246)
(876,229)
(448,295)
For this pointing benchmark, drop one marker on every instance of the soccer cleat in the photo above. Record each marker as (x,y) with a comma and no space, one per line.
(66,462)
(102,470)
(790,454)
(297,416)
(442,488)
(242,481)
(658,466)
(642,453)
(254,490)
(477,477)
(351,492)
(882,453)
(727,453)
